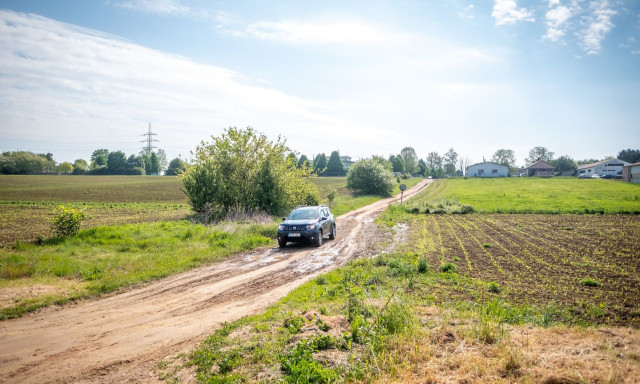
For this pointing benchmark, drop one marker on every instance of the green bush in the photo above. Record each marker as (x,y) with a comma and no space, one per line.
(370,177)
(241,171)
(423,265)
(67,220)
(448,268)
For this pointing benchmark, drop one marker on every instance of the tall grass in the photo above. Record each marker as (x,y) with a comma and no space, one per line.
(106,258)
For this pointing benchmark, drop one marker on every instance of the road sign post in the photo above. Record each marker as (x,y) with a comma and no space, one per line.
(402,188)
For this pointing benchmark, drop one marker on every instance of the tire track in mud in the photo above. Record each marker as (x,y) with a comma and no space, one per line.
(119,338)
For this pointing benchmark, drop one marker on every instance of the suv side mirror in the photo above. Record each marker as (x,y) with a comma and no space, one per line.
(323,218)
(284,219)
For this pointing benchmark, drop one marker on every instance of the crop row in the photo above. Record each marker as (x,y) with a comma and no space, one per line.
(543,258)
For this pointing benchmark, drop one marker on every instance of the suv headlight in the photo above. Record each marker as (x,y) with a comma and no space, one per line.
(311,226)
(280,227)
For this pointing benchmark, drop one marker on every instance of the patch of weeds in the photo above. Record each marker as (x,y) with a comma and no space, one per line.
(423,265)
(294,323)
(321,280)
(494,287)
(300,367)
(448,268)
(589,282)
(398,267)
(487,245)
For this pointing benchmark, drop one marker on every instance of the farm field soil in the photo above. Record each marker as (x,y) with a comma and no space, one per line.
(543,259)
(121,337)
(25,222)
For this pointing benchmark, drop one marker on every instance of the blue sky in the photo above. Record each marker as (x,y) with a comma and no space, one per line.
(361,77)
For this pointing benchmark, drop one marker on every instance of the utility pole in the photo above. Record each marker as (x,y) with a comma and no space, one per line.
(148,148)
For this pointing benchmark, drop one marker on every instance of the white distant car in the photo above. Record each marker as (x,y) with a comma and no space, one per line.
(595,176)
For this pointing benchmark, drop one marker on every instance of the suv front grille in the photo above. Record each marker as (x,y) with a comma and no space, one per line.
(300,227)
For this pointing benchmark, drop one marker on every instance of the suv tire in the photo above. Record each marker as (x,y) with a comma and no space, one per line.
(319,239)
(282,244)
(332,235)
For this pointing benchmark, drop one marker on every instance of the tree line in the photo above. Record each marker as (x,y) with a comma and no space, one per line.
(102,162)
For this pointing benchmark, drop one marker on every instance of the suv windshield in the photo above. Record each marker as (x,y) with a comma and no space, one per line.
(303,214)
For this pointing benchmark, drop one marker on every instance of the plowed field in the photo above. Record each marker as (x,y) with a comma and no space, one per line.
(545,259)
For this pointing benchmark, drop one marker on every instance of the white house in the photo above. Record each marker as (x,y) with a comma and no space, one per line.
(602,168)
(346,161)
(487,169)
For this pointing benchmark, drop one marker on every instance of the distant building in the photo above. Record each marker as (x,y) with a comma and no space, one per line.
(540,169)
(487,169)
(631,173)
(346,161)
(611,167)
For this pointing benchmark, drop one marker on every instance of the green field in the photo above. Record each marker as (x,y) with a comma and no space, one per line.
(535,195)
(26,202)
(136,232)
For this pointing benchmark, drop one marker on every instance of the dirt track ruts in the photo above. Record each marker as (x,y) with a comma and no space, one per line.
(119,338)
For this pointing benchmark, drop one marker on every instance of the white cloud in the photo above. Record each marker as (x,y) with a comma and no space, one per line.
(557,21)
(598,25)
(299,32)
(77,83)
(156,7)
(507,12)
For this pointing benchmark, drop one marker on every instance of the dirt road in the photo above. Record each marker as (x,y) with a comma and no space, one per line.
(119,338)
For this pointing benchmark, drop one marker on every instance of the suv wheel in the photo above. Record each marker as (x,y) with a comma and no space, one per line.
(282,244)
(319,240)
(332,235)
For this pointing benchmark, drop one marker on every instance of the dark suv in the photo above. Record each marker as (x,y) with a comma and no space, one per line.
(307,223)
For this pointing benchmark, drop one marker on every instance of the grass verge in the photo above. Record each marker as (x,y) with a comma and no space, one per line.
(103,259)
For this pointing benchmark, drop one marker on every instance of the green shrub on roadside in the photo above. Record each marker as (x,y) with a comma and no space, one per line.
(67,220)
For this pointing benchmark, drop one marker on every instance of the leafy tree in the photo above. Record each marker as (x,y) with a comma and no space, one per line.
(410,159)
(162,159)
(117,163)
(99,158)
(134,161)
(65,167)
(303,162)
(398,163)
(434,164)
(463,163)
(335,166)
(385,163)
(586,161)
(564,163)
(370,177)
(539,154)
(629,155)
(320,164)
(242,171)
(292,158)
(154,164)
(23,162)
(450,158)
(505,157)
(422,167)
(176,166)
(80,166)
